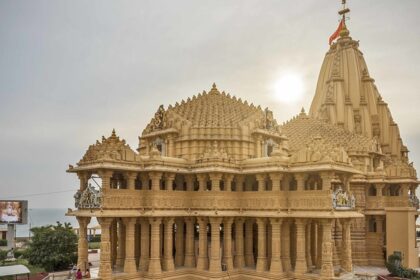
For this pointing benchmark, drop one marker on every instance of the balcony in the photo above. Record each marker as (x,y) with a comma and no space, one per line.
(216,200)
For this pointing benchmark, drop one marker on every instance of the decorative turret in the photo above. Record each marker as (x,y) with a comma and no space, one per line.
(346,95)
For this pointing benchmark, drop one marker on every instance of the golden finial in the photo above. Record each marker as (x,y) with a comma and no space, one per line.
(214,86)
(113,133)
(344,31)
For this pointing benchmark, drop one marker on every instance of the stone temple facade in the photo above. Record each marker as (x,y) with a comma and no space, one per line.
(217,189)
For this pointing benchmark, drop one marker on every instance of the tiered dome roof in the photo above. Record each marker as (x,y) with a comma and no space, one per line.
(215,109)
(302,130)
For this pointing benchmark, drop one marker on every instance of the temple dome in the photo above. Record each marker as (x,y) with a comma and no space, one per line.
(347,96)
(216,109)
(208,120)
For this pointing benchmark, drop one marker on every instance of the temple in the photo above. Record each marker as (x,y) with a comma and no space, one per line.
(217,188)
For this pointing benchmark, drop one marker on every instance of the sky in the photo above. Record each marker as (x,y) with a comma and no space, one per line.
(71,71)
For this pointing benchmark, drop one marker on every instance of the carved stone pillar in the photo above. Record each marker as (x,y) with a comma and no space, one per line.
(82,248)
(300,181)
(202,262)
(239,183)
(121,244)
(155,176)
(105,269)
(144,177)
(326,177)
(154,262)
(171,146)
(215,259)
(189,179)
(405,189)
(228,178)
(346,183)
(249,240)
(202,182)
(106,178)
(285,246)
(346,260)
(84,178)
(179,242)
(276,266)
(130,260)
(114,241)
(227,243)
(144,244)
(319,245)
(262,250)
(275,181)
(189,242)
(379,188)
(239,243)
(261,181)
(308,245)
(169,181)
(300,266)
(168,260)
(215,181)
(327,269)
(131,180)
(379,227)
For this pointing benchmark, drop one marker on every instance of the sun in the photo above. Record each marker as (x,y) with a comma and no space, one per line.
(289,88)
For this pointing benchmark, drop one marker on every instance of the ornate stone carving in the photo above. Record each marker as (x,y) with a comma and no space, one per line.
(89,198)
(110,149)
(158,122)
(343,201)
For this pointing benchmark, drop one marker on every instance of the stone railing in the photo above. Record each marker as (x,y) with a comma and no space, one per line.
(381,202)
(217,200)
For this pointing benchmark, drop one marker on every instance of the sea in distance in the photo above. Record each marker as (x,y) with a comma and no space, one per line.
(47,216)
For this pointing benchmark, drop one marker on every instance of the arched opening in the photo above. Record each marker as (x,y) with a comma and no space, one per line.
(372,190)
(314,182)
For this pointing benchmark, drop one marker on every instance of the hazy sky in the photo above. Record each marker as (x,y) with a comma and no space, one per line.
(70,71)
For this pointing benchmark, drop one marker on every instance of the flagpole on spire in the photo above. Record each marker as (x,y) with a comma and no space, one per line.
(344,31)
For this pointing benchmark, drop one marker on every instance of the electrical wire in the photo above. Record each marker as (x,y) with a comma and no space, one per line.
(37,194)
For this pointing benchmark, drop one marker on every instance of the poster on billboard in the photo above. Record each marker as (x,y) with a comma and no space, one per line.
(13,211)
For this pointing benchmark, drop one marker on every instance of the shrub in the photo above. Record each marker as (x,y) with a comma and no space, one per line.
(396,269)
(96,238)
(3,242)
(53,247)
(3,255)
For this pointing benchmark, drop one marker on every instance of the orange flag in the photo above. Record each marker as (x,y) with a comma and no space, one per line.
(336,33)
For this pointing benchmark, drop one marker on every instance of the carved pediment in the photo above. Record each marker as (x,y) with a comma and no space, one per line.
(319,151)
(158,122)
(111,148)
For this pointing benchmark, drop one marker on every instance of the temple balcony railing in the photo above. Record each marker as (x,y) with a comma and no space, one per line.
(216,200)
(381,202)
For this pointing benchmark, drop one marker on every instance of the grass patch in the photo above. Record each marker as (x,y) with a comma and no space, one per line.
(94,245)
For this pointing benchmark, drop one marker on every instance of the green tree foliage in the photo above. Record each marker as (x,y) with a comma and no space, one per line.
(3,255)
(53,247)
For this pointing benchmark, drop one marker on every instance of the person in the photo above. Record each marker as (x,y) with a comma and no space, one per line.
(79,274)
(72,273)
(87,274)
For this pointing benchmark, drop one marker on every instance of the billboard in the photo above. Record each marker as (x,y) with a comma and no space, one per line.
(13,211)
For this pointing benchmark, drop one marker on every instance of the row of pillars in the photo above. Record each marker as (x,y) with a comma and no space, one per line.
(152,180)
(272,252)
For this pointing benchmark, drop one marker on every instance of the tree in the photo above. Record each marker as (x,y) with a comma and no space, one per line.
(3,255)
(53,247)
